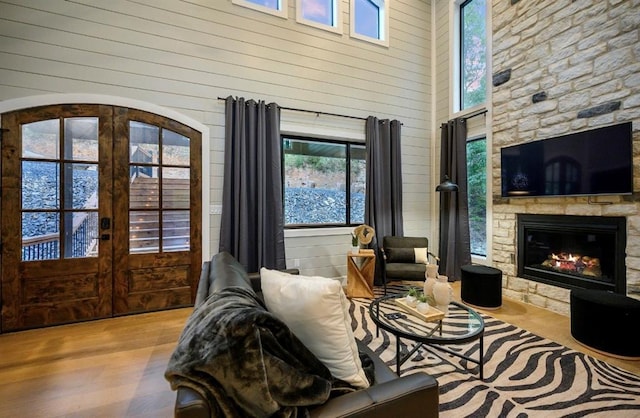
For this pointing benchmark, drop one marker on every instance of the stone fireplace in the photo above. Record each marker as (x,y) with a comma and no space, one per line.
(554,72)
(573,251)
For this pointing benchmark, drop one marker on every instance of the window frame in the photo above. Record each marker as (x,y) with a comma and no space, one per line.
(458,74)
(337,17)
(282,12)
(347,207)
(383,23)
(482,137)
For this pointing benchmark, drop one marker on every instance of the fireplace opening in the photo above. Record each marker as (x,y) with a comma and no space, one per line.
(573,251)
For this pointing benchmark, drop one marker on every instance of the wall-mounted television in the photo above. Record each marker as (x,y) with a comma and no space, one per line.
(587,163)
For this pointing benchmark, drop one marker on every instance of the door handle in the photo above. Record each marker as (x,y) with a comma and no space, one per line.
(105,237)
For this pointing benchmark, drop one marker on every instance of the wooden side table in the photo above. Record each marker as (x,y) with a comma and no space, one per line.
(360,277)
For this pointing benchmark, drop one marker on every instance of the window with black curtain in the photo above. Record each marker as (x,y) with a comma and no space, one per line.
(323,182)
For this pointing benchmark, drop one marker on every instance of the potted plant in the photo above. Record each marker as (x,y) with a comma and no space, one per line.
(423,304)
(412,297)
(355,245)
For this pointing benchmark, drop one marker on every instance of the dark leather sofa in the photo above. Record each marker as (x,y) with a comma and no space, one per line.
(412,395)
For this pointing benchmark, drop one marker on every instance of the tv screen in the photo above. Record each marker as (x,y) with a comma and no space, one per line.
(594,162)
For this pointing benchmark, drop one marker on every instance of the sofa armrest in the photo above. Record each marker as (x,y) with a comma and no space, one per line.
(413,395)
(203,285)
(256,283)
(189,404)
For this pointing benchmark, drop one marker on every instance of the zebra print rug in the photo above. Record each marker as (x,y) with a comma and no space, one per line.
(524,375)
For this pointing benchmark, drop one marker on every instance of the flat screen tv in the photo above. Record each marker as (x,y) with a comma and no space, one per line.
(588,163)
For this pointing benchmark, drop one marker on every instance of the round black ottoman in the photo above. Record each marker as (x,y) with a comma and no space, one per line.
(481,286)
(605,321)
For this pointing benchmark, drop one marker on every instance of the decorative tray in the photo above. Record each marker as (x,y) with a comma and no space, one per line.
(432,314)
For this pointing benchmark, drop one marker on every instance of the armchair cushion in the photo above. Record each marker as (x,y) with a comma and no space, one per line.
(405,271)
(407,255)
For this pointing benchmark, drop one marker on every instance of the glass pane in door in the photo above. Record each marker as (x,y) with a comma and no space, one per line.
(40,185)
(83,179)
(176,229)
(144,142)
(81,139)
(144,188)
(82,239)
(59,190)
(40,236)
(144,232)
(175,149)
(175,188)
(41,140)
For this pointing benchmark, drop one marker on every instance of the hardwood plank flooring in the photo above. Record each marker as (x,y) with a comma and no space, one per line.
(115,367)
(107,368)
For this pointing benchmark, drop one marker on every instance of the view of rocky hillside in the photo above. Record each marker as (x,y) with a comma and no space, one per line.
(313,197)
(40,190)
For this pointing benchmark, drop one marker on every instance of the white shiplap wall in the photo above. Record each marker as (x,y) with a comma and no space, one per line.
(443,106)
(182,55)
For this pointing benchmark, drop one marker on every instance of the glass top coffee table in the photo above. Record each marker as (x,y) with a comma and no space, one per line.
(460,325)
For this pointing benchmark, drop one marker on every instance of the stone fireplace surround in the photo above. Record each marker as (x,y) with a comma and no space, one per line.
(554,298)
(560,67)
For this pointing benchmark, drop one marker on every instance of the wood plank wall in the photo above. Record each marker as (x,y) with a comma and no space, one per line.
(182,55)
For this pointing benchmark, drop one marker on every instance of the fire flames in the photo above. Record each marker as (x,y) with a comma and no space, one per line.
(588,266)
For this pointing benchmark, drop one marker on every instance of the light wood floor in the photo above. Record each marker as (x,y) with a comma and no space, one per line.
(108,368)
(114,367)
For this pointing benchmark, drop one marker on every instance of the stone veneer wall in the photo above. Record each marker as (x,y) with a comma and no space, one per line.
(559,67)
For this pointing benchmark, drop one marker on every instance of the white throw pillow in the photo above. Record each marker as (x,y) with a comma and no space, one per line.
(316,310)
(421,255)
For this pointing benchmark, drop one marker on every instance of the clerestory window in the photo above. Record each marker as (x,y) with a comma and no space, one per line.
(473,54)
(274,7)
(324,182)
(323,14)
(370,21)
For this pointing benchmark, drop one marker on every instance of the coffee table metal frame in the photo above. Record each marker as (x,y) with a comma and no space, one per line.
(408,326)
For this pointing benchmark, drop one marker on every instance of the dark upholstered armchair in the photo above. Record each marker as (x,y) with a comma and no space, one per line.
(398,255)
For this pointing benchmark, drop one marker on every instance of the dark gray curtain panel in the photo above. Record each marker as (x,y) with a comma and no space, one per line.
(455,242)
(252,225)
(383,199)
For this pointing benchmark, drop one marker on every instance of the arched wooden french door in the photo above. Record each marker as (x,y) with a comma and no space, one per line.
(101,214)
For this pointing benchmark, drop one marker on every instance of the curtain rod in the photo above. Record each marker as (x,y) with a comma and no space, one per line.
(322,113)
(313,111)
(469,116)
(474,114)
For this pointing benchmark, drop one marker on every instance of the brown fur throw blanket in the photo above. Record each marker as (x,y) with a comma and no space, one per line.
(245,361)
